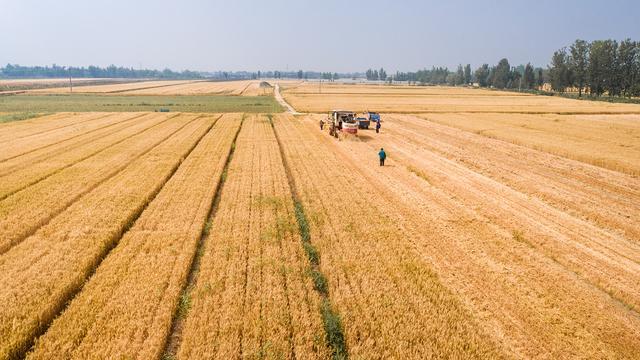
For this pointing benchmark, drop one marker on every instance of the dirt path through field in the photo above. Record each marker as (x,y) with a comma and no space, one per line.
(282,102)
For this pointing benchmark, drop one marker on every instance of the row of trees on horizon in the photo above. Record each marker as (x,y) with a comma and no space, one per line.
(112,71)
(600,67)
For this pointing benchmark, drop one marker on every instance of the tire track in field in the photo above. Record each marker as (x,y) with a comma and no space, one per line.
(60,141)
(99,150)
(116,238)
(58,128)
(76,197)
(174,338)
(599,256)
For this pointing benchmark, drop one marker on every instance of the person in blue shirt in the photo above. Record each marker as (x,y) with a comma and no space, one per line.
(378,126)
(382,155)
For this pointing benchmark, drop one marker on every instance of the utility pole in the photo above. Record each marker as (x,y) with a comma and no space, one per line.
(70,83)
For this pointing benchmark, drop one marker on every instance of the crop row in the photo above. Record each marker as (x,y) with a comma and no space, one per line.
(24,145)
(44,124)
(28,209)
(26,170)
(39,275)
(126,308)
(252,296)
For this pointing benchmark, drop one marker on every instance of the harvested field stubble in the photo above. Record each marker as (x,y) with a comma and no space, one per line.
(121,312)
(391,302)
(609,141)
(39,275)
(309,97)
(523,267)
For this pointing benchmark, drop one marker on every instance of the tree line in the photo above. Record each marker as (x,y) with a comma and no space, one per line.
(502,76)
(598,67)
(112,71)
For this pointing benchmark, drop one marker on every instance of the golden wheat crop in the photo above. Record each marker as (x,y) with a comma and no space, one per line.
(252,296)
(136,290)
(43,272)
(26,210)
(27,169)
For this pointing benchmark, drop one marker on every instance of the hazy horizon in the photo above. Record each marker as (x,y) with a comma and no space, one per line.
(316,36)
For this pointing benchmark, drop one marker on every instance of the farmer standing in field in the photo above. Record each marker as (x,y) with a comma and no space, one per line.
(377,126)
(382,155)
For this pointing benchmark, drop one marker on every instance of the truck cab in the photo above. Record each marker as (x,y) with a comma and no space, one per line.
(372,116)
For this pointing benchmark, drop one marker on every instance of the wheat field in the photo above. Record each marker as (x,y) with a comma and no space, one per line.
(502,226)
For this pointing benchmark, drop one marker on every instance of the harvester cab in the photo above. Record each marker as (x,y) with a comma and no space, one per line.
(341,121)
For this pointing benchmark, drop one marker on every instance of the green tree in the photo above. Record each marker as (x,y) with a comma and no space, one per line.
(459,78)
(559,72)
(501,74)
(382,74)
(467,74)
(602,67)
(529,77)
(482,75)
(540,78)
(578,63)
(627,62)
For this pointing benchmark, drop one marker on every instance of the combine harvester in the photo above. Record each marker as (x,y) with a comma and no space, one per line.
(342,122)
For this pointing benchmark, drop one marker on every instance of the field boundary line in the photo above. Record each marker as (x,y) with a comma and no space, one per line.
(67,148)
(330,317)
(58,128)
(91,188)
(70,138)
(174,337)
(118,236)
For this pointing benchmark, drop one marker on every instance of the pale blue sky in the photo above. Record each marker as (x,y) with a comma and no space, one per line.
(328,35)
